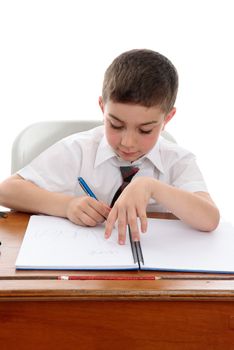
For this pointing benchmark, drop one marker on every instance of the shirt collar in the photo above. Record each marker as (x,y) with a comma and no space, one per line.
(154,155)
(105,152)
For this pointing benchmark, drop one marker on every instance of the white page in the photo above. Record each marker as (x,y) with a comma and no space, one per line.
(172,245)
(56,243)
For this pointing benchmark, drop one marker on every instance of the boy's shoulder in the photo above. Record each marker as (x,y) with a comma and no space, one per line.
(171,152)
(92,136)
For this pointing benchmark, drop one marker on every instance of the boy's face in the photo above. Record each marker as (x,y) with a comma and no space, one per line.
(133,130)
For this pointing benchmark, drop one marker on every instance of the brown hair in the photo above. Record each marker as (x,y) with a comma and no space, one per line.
(143,77)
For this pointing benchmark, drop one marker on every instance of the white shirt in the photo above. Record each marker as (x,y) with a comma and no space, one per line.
(88,154)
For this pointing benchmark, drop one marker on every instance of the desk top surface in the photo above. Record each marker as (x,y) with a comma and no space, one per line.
(32,285)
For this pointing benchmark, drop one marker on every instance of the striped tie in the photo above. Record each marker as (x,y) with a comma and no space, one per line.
(127,173)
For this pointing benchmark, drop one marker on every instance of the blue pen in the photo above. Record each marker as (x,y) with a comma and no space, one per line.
(86,188)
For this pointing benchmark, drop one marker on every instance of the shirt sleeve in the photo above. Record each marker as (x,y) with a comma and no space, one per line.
(55,169)
(185,174)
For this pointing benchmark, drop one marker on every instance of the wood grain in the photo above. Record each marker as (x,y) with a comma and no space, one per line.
(115,325)
(179,311)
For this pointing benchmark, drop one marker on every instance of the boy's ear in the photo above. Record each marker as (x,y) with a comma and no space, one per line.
(101,103)
(169,116)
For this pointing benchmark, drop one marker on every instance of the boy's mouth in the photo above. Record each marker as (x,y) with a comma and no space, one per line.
(125,154)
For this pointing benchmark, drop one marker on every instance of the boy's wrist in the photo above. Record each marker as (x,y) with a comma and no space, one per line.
(157,187)
(61,205)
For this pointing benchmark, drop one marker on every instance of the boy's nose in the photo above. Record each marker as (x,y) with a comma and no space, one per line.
(128,139)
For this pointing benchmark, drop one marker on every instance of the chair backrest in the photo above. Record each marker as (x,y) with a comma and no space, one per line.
(38,136)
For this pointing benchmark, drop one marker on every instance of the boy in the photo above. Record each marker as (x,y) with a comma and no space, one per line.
(139,92)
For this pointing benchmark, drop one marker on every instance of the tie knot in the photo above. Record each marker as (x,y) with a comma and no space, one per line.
(128,172)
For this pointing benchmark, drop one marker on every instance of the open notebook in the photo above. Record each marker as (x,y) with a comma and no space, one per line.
(169,245)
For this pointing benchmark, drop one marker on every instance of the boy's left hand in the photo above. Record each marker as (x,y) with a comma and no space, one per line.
(130,205)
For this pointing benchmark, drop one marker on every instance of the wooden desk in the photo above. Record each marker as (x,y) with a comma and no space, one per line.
(180,311)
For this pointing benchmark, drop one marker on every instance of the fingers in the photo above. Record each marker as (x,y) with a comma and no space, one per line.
(85,220)
(110,222)
(143,221)
(133,221)
(133,225)
(94,212)
(87,211)
(100,207)
(126,217)
(122,225)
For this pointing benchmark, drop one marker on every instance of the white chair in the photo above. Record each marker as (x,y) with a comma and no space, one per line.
(38,136)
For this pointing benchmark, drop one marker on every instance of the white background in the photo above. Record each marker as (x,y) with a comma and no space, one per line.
(53,55)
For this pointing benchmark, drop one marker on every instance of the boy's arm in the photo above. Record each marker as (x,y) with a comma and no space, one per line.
(19,194)
(196,209)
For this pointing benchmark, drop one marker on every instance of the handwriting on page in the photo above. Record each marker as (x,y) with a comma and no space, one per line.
(91,238)
(52,242)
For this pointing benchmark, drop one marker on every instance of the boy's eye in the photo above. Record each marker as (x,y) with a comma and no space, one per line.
(116,127)
(121,127)
(145,131)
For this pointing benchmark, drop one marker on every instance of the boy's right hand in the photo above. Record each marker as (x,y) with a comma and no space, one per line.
(87,211)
